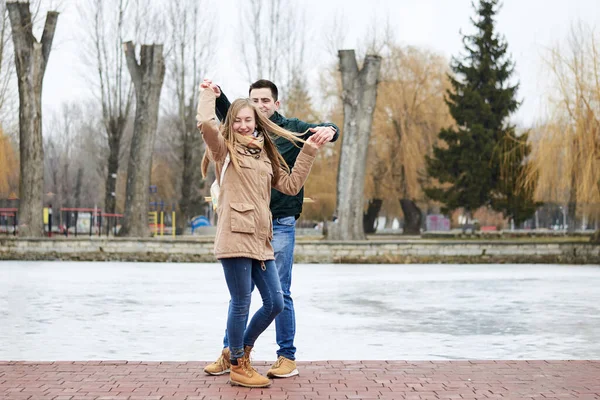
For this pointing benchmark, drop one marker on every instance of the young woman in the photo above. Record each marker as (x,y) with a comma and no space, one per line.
(243,146)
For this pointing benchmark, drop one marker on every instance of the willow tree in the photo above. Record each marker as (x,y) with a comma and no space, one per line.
(566,148)
(31,59)
(9,167)
(410,112)
(320,185)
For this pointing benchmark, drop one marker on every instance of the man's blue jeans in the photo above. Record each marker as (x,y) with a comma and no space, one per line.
(240,274)
(284,240)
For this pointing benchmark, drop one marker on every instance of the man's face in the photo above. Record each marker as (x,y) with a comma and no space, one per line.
(263,98)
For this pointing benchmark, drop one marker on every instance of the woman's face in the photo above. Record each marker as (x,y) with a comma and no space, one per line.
(244,122)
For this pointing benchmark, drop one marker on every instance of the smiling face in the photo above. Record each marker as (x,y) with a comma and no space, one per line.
(264,101)
(244,122)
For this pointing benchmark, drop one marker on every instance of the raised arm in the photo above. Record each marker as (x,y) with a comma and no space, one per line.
(291,183)
(208,125)
(222,105)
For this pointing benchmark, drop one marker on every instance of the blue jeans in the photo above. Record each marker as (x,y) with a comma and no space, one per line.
(284,240)
(240,274)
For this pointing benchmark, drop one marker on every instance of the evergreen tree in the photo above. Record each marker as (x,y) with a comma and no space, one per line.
(477,163)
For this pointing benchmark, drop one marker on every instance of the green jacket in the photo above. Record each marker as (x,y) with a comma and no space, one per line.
(282,205)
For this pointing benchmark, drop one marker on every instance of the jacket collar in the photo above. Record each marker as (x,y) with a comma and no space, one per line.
(278,119)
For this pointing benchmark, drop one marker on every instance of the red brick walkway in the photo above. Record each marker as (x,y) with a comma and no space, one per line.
(539,380)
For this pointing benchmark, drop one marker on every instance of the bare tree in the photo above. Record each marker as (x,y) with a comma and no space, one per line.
(192,47)
(6,61)
(107,24)
(276,49)
(58,149)
(9,101)
(65,133)
(359,96)
(31,58)
(147,76)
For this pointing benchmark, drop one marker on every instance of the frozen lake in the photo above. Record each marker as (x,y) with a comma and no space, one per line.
(138,311)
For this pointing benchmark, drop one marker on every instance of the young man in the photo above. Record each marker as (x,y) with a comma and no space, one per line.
(286,210)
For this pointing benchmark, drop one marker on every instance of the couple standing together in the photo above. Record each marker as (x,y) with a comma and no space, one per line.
(262,160)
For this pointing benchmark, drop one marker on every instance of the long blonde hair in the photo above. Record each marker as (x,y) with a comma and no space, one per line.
(264,126)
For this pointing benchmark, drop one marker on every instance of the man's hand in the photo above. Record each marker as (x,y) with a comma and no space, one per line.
(322,134)
(208,84)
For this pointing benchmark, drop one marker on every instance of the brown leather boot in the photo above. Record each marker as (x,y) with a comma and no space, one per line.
(283,368)
(245,375)
(221,366)
(247,351)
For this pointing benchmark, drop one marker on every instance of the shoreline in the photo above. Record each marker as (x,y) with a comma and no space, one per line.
(383,251)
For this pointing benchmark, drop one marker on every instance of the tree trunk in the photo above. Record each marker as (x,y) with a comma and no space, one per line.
(114,148)
(571,217)
(192,196)
(413,218)
(370,217)
(572,205)
(185,201)
(31,58)
(359,96)
(78,184)
(147,77)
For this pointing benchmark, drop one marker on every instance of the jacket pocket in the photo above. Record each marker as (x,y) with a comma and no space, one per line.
(242,218)
(269,166)
(243,162)
(244,159)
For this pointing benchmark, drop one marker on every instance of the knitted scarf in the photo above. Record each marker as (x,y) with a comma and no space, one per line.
(254,144)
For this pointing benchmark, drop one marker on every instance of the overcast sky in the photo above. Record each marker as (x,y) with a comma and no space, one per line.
(530,27)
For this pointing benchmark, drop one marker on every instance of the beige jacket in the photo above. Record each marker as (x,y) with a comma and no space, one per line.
(245,224)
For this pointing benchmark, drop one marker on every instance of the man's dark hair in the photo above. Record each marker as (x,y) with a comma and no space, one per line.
(262,84)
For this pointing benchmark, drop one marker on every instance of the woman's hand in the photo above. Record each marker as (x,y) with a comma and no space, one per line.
(323,134)
(315,142)
(208,84)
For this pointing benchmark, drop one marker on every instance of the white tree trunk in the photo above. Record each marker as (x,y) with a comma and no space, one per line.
(31,58)
(359,96)
(147,77)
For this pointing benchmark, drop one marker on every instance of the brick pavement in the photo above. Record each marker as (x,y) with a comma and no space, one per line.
(334,380)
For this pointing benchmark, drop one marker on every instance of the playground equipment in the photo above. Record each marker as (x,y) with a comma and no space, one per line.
(157,219)
(88,220)
(199,221)
(8,220)
(80,219)
(91,221)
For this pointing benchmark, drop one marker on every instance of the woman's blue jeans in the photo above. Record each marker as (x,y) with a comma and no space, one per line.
(240,274)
